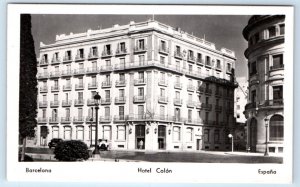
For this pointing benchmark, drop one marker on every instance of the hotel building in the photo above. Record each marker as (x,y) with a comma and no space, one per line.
(265,54)
(161,89)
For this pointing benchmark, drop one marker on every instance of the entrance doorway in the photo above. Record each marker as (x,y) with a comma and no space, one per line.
(161,137)
(140,136)
(199,144)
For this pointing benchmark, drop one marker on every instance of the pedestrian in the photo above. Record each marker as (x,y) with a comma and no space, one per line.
(141,144)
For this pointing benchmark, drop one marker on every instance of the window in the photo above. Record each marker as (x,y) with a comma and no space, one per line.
(141,76)
(93,129)
(140,111)
(68,55)
(163,45)
(107,132)
(229,67)
(141,44)
(253,96)
(55,132)
(142,59)
(122,47)
(218,64)
(67,133)
(108,63)
(178,51)
(79,133)
(121,112)
(81,53)
(190,68)
(79,114)
(177,95)
(107,113)
(122,77)
(94,51)
(199,70)
(206,116)
(190,97)
(162,111)
(176,134)
(121,93)
(207,61)
(54,114)
(199,57)
(253,69)
(177,65)
(190,115)
(94,65)
(80,81)
(162,59)
(44,98)
(107,49)
(276,128)
(45,58)
(177,79)
(190,54)
(277,93)
(277,61)
(80,96)
(56,56)
(93,80)
(281,29)
(44,113)
(206,135)
(122,62)
(55,97)
(177,114)
(162,92)
(189,134)
(90,112)
(272,32)
(107,94)
(68,83)
(162,76)
(107,78)
(141,92)
(121,132)
(93,93)
(217,136)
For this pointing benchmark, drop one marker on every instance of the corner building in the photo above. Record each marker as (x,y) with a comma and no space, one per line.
(158,84)
(265,54)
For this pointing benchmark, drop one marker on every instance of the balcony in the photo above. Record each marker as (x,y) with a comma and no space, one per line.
(163,99)
(93,85)
(208,91)
(120,83)
(199,61)
(91,102)
(191,59)
(79,57)
(106,101)
(218,93)
(55,88)
(67,87)
(66,73)
(206,106)
(54,74)
(193,121)
(139,99)
(218,108)
(43,75)
(106,54)
(79,119)
(55,61)
(105,119)
(106,68)
(43,104)
(120,100)
(54,103)
(65,120)
(178,54)
(80,71)
(67,59)
(44,89)
(42,120)
(139,82)
(163,50)
(162,82)
(273,103)
(191,88)
(44,62)
(53,120)
(178,85)
(79,102)
(106,84)
(277,67)
(177,101)
(66,103)
(119,118)
(79,86)
(92,70)
(93,55)
(140,49)
(190,104)
(120,52)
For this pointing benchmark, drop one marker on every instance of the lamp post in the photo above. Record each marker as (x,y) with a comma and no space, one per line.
(266,125)
(91,127)
(230,136)
(97,98)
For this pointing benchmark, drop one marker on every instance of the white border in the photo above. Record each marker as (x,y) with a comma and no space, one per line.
(127,172)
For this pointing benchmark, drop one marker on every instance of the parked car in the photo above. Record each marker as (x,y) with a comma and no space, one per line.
(103,146)
(54,142)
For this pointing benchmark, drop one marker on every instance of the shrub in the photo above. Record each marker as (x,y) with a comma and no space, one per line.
(72,150)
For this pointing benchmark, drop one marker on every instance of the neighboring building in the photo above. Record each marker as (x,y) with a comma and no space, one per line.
(240,101)
(159,85)
(265,54)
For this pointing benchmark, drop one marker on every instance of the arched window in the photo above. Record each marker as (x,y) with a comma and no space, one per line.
(276,128)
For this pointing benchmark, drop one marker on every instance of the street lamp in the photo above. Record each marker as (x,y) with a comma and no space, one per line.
(230,136)
(266,125)
(97,98)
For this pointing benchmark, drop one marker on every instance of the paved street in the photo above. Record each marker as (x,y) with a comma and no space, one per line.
(199,157)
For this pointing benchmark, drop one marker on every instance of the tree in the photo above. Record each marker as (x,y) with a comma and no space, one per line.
(28,83)
(71,150)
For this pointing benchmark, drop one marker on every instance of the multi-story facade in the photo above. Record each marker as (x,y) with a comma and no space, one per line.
(159,86)
(240,101)
(265,54)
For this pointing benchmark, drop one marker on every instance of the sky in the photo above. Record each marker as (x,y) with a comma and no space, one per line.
(222,30)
